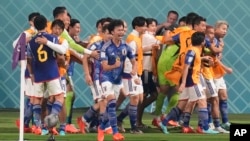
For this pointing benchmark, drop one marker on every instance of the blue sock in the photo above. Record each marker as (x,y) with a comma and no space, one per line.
(216,122)
(203,117)
(209,109)
(89,115)
(132,111)
(49,106)
(173,114)
(123,114)
(112,115)
(62,127)
(104,122)
(56,108)
(223,111)
(94,121)
(37,114)
(28,113)
(186,119)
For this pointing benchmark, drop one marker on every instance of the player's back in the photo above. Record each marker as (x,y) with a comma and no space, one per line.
(44,60)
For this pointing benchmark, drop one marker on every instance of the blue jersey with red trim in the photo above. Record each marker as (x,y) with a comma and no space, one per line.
(110,52)
(44,64)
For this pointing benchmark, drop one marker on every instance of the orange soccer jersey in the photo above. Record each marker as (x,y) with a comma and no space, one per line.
(139,54)
(62,69)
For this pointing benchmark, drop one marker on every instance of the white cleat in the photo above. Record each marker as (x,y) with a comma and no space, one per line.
(221,130)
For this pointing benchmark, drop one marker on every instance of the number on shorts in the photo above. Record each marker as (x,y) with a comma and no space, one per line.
(42,54)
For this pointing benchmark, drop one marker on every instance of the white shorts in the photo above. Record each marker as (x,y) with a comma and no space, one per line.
(108,89)
(64,85)
(29,87)
(130,88)
(193,93)
(220,83)
(202,81)
(96,90)
(211,90)
(53,87)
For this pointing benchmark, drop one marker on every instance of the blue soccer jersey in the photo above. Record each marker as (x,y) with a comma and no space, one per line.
(96,66)
(44,64)
(110,52)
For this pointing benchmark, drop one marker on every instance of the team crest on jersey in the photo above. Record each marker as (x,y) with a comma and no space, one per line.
(124,51)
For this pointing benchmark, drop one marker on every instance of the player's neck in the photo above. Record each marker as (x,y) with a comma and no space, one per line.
(44,30)
(116,42)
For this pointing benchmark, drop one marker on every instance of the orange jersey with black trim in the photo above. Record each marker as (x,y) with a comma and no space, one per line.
(139,52)
(95,38)
(48,27)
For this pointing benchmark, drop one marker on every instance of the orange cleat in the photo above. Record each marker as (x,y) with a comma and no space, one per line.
(156,122)
(118,137)
(54,131)
(38,131)
(199,130)
(187,130)
(109,131)
(81,124)
(25,129)
(173,123)
(70,128)
(100,134)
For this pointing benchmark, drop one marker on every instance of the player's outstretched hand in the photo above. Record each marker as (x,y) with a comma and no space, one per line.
(88,80)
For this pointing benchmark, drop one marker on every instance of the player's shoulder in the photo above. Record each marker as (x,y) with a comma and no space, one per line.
(106,45)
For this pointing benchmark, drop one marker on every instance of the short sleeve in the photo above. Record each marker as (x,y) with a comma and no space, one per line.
(189,57)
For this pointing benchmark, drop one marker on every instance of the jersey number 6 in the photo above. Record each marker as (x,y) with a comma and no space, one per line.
(42,54)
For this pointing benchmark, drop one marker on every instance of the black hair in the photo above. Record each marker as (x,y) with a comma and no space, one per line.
(33,15)
(197,38)
(197,20)
(190,17)
(173,12)
(150,21)
(107,19)
(104,28)
(58,23)
(73,22)
(58,10)
(182,19)
(99,22)
(40,22)
(138,21)
(115,23)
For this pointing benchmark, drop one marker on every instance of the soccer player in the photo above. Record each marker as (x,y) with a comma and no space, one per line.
(62,61)
(190,87)
(133,85)
(113,55)
(93,71)
(211,92)
(169,24)
(221,28)
(28,84)
(44,73)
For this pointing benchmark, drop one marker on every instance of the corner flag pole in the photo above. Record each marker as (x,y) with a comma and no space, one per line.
(19,55)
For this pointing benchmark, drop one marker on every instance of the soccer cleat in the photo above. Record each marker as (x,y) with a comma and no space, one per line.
(226,126)
(120,127)
(209,131)
(54,131)
(38,131)
(100,134)
(199,130)
(221,130)
(187,130)
(25,129)
(108,130)
(211,126)
(33,128)
(136,131)
(81,124)
(173,123)
(70,128)
(45,132)
(118,137)
(62,133)
(156,122)
(164,128)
